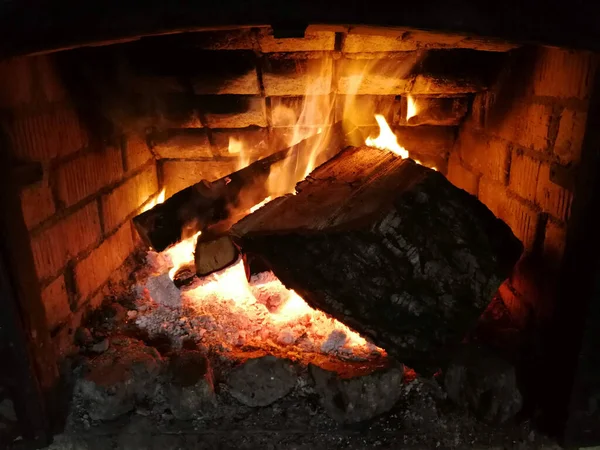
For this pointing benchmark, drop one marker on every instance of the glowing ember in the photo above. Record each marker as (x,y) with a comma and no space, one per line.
(180,254)
(386,140)
(411,107)
(260,205)
(229,314)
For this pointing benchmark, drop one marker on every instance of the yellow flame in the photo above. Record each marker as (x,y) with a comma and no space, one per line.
(160,198)
(181,253)
(236,147)
(411,107)
(386,140)
(260,205)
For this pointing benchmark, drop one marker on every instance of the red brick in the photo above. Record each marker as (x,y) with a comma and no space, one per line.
(552,198)
(56,302)
(178,175)
(82,177)
(484,155)
(554,243)
(564,73)
(375,76)
(137,152)
(47,134)
(521,218)
(184,143)
(246,144)
(524,124)
(492,194)
(93,271)
(426,84)
(570,136)
(127,198)
(54,246)
(37,203)
(524,172)
(312,41)
(368,39)
(283,75)
(461,177)
(16,81)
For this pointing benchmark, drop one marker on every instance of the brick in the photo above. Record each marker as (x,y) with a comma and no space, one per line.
(66,239)
(311,111)
(56,302)
(49,80)
(492,194)
(486,45)
(569,139)
(426,139)
(94,270)
(231,72)
(484,155)
(37,203)
(284,75)
(365,39)
(46,134)
(137,152)
(525,124)
(156,84)
(524,173)
(234,111)
(552,198)
(178,175)
(360,110)
(284,137)
(554,243)
(375,76)
(312,41)
(239,39)
(80,177)
(125,199)
(564,73)
(184,143)
(429,84)
(445,111)
(246,144)
(460,176)
(521,218)
(164,111)
(16,79)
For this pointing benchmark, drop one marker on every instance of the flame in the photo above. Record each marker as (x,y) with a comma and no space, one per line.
(181,254)
(160,198)
(386,140)
(411,107)
(236,147)
(260,205)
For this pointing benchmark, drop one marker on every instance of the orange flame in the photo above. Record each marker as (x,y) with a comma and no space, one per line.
(181,253)
(411,107)
(386,140)
(236,147)
(260,205)
(160,198)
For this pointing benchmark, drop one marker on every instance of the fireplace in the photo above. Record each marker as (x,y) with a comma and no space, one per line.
(96,136)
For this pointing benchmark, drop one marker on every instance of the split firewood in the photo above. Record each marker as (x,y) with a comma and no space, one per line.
(205,203)
(388,247)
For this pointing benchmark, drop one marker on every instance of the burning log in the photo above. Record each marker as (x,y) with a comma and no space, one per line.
(207,203)
(215,250)
(388,247)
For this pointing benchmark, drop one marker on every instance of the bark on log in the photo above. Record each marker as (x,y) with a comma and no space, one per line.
(205,203)
(389,247)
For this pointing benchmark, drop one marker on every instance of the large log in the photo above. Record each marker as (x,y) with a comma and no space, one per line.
(387,246)
(206,203)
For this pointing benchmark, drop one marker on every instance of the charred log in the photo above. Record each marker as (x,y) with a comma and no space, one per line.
(389,247)
(206,203)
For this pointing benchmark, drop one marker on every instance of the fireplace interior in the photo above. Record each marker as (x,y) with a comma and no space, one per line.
(116,314)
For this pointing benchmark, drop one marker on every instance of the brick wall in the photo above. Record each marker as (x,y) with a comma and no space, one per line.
(531,120)
(190,94)
(78,212)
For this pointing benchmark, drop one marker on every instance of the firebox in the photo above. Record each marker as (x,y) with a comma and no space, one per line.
(200,222)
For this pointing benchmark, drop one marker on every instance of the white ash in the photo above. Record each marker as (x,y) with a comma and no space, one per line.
(225,312)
